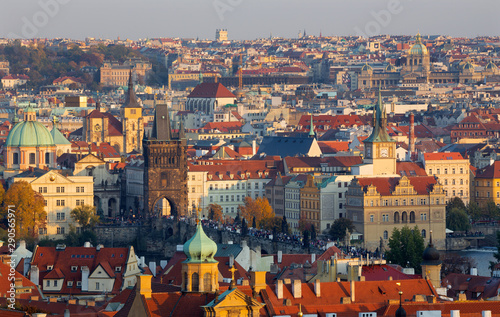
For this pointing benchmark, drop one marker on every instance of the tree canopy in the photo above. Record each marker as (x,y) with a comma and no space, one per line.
(338,229)
(258,208)
(29,207)
(85,216)
(406,247)
(457,220)
(215,212)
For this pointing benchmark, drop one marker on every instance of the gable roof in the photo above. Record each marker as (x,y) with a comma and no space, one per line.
(211,90)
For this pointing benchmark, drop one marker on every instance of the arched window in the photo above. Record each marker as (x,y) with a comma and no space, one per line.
(164,179)
(423,233)
(404,217)
(207,283)
(195,283)
(396,217)
(386,235)
(412,217)
(15,158)
(47,158)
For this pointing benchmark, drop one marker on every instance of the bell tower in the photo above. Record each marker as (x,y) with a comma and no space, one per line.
(165,166)
(132,121)
(380,148)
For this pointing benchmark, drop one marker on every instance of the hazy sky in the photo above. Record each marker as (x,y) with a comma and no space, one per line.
(245,19)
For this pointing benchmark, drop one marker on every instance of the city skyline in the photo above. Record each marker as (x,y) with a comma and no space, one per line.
(244,21)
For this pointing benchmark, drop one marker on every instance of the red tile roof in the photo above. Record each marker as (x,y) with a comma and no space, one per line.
(5,284)
(443,156)
(223,126)
(326,122)
(211,90)
(333,146)
(386,185)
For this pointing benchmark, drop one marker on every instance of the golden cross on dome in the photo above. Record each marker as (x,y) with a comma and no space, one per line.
(232,270)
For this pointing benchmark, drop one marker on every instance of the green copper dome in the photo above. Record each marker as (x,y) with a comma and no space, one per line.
(200,248)
(29,133)
(418,48)
(58,137)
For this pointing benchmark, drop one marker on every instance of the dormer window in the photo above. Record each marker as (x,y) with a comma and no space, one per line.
(70,283)
(74,268)
(50,267)
(118,269)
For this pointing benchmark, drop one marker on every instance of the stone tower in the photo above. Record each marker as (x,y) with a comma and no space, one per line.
(431,265)
(165,166)
(132,121)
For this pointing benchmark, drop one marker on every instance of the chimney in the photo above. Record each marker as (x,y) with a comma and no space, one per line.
(353,297)
(412,136)
(142,261)
(313,258)
(258,280)
(34,276)
(231,260)
(280,256)
(297,289)
(152,267)
(279,289)
(486,313)
(317,288)
(143,286)
(22,244)
(254,147)
(454,313)
(67,313)
(473,271)
(85,278)
(86,244)
(163,263)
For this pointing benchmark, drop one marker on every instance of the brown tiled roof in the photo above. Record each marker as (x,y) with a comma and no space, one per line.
(386,185)
(490,171)
(211,90)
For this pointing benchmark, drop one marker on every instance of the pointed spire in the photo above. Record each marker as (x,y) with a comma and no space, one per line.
(131,100)
(311,128)
(182,132)
(430,239)
(161,125)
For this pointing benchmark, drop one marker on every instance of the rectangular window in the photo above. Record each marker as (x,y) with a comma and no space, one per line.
(211,199)
(59,189)
(77,189)
(372,218)
(340,195)
(96,285)
(430,171)
(256,185)
(211,187)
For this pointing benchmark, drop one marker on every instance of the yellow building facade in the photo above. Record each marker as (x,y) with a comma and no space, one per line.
(486,185)
(452,171)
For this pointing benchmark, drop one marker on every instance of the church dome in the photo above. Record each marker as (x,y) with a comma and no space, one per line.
(431,255)
(366,68)
(58,137)
(390,68)
(401,312)
(200,248)
(30,134)
(418,48)
(491,66)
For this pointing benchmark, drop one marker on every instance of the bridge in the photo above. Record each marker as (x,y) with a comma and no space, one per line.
(158,239)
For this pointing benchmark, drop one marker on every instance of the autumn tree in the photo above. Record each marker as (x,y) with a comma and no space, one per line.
(28,207)
(258,208)
(85,216)
(215,212)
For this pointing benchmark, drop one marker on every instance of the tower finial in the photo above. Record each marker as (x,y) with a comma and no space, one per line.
(430,239)
(311,128)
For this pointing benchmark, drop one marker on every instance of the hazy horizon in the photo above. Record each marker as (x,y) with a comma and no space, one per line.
(244,19)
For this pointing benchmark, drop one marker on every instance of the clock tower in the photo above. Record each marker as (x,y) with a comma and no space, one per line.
(380,148)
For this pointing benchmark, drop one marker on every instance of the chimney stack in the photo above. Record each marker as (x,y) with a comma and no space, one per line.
(353,297)
(143,286)
(412,136)
(297,289)
(280,256)
(279,289)
(317,288)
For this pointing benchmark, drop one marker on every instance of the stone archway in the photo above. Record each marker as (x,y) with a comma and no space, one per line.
(112,205)
(164,207)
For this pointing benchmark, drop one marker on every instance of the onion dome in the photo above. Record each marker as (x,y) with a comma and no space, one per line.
(431,255)
(390,68)
(200,248)
(29,132)
(418,48)
(401,312)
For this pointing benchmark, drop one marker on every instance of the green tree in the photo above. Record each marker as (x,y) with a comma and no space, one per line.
(406,247)
(474,211)
(28,209)
(339,227)
(492,210)
(85,216)
(457,220)
(455,202)
(215,212)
